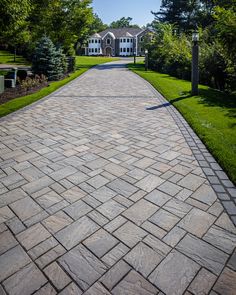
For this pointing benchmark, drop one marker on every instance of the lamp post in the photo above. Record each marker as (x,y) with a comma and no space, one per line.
(134,57)
(146,59)
(195,61)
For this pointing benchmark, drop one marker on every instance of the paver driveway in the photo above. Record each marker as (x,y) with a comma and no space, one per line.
(100,193)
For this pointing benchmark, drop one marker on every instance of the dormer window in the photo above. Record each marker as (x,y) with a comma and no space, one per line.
(108,41)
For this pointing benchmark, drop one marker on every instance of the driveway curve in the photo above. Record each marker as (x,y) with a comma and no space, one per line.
(105,189)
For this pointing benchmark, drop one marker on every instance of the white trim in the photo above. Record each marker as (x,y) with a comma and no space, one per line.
(112,35)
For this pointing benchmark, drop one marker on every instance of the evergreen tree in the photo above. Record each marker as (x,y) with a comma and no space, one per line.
(47,60)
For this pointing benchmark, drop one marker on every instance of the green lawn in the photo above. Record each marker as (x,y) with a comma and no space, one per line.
(8,58)
(83,63)
(211,114)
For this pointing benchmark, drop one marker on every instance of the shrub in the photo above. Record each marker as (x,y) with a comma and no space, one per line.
(48,61)
(30,83)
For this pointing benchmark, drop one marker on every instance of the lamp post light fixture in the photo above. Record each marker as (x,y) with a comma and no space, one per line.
(146,59)
(195,62)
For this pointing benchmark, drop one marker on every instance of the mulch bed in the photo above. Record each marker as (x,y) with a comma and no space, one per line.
(11,93)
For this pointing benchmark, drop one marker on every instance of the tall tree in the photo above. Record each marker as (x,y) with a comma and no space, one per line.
(13,21)
(97,24)
(124,22)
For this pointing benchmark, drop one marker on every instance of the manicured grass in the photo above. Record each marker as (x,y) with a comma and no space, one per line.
(211,114)
(7,57)
(83,63)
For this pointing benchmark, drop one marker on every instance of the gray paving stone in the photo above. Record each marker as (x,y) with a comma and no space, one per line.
(76,232)
(7,241)
(140,211)
(11,196)
(122,187)
(202,283)
(37,185)
(111,209)
(72,289)
(56,222)
(174,273)
(63,173)
(197,222)
(174,236)
(149,183)
(12,261)
(46,290)
(143,259)
(170,188)
(224,222)
(157,197)
(5,214)
(164,219)
(232,261)
(203,253)
(226,284)
(157,245)
(103,194)
(25,208)
(191,182)
(153,229)
(50,256)
(82,266)
(134,283)
(42,248)
(115,254)
(100,242)
(177,207)
(205,194)
(49,199)
(57,276)
(33,236)
(78,209)
(97,289)
(97,181)
(73,194)
(98,218)
(130,234)
(26,281)
(115,274)
(221,239)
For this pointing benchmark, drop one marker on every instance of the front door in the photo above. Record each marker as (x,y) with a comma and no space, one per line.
(108,51)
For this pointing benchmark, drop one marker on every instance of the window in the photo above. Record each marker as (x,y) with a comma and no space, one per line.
(92,41)
(89,49)
(96,41)
(124,49)
(131,49)
(124,40)
(121,40)
(121,49)
(108,41)
(92,49)
(141,39)
(131,40)
(99,41)
(127,49)
(96,50)
(127,40)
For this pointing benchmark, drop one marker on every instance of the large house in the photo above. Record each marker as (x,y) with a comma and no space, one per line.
(117,42)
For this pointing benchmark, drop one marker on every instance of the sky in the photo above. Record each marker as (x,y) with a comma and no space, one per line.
(139,10)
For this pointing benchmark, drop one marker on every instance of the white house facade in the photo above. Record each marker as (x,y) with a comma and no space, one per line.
(117,42)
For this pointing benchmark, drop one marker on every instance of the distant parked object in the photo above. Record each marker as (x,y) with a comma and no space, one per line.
(117,42)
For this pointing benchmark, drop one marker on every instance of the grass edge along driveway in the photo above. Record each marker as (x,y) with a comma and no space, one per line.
(211,114)
(83,63)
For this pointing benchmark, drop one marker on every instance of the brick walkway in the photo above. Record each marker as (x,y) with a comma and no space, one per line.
(100,193)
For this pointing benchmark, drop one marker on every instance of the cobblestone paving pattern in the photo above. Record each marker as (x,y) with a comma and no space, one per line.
(102,192)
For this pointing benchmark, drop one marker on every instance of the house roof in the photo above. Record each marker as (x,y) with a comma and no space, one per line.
(96,35)
(121,32)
